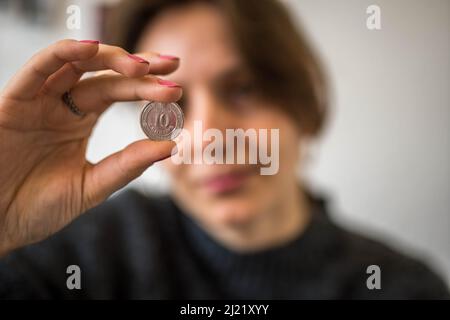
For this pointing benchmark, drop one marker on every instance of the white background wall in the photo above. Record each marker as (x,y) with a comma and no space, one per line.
(385,157)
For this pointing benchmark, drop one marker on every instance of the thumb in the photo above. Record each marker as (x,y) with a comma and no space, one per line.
(120,168)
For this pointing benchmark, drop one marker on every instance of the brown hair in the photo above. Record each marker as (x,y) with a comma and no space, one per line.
(275,51)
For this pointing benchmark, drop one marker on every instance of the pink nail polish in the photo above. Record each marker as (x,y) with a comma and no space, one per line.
(138,59)
(90,41)
(169,84)
(167,57)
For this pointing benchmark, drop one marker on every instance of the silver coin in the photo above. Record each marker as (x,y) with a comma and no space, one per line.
(162,121)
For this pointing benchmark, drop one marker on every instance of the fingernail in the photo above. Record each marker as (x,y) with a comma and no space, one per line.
(174,150)
(167,57)
(169,84)
(90,41)
(138,59)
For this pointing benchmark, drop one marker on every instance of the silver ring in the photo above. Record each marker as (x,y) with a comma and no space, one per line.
(68,101)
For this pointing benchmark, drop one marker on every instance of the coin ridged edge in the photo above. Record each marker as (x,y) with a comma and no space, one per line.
(179,115)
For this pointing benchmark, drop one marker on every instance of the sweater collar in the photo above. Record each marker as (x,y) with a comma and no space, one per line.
(304,253)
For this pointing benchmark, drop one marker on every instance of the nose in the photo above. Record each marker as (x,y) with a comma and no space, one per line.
(206,108)
(206,112)
(212,114)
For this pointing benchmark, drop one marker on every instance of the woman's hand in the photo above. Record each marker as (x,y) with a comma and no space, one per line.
(45,179)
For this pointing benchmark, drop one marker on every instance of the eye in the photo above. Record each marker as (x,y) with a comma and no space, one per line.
(243,88)
(239,93)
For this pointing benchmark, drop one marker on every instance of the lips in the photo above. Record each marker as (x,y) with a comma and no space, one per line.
(226,182)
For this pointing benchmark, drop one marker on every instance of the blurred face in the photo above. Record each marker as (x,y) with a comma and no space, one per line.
(219,92)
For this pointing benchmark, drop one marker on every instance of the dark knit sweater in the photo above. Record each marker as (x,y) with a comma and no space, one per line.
(133,246)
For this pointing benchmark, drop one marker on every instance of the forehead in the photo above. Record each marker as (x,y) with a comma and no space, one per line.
(199,34)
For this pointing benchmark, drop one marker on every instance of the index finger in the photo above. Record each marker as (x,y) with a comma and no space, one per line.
(31,77)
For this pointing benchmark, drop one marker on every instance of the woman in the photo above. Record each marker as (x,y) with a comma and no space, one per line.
(225,230)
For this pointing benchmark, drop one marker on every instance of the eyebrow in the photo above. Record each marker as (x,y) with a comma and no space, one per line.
(231,73)
(235,71)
